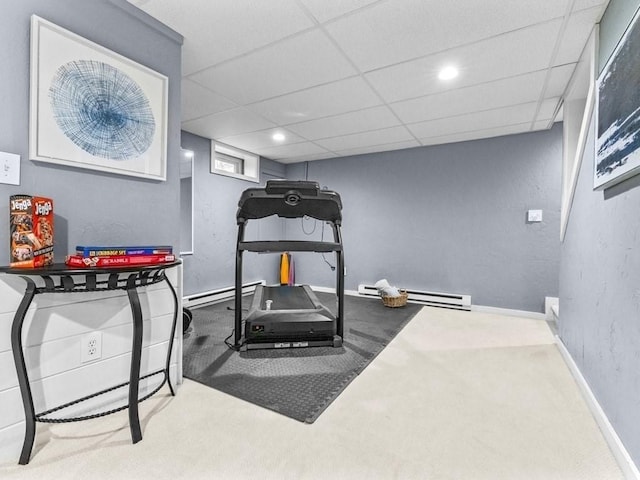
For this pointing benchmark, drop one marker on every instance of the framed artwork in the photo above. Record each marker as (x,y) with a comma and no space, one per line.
(617,155)
(93,108)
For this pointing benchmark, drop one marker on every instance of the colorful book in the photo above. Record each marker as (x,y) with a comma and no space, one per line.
(118,260)
(102,251)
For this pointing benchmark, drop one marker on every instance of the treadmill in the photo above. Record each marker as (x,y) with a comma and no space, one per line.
(284,316)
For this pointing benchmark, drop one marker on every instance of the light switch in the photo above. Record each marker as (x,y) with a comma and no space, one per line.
(9,168)
(534,216)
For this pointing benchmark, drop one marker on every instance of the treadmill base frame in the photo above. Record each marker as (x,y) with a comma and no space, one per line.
(335,342)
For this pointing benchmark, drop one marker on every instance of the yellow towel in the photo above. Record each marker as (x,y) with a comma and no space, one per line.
(284,269)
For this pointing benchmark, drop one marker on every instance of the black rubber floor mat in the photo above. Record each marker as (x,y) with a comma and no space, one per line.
(298,382)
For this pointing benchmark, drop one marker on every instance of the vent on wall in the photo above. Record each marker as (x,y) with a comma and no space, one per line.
(432,299)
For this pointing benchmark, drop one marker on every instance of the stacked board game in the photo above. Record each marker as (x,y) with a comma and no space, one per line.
(105,256)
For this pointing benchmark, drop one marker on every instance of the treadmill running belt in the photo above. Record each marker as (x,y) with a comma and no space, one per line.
(287,298)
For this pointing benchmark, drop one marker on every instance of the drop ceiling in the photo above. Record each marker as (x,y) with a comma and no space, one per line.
(346,77)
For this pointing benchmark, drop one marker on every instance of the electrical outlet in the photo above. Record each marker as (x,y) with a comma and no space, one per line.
(91,347)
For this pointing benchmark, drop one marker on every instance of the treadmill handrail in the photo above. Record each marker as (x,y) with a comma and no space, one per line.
(288,246)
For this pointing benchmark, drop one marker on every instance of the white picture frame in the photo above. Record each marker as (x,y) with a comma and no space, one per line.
(617,145)
(93,108)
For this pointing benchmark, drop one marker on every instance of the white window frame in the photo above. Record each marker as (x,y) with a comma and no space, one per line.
(231,155)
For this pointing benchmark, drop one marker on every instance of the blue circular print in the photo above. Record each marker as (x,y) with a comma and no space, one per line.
(102,110)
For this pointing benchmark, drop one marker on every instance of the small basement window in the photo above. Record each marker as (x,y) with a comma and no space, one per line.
(233,162)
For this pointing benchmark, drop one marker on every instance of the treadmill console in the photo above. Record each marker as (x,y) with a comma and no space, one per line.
(279,187)
(290,199)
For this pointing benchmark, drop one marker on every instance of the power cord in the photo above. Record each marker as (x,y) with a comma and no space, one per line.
(302,225)
(229,344)
(226,340)
(332,267)
(315,223)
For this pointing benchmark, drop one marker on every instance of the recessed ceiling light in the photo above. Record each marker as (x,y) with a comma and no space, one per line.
(447,73)
(278,137)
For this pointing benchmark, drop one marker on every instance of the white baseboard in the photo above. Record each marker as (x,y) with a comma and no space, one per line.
(508,312)
(474,308)
(227,293)
(353,293)
(620,453)
(216,296)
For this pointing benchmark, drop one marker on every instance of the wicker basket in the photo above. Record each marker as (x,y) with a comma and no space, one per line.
(395,302)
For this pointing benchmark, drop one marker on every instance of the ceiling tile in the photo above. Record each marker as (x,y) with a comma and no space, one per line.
(218,32)
(475,121)
(477,134)
(224,124)
(293,151)
(317,102)
(308,158)
(486,96)
(379,148)
(266,73)
(353,122)
(515,53)
(198,101)
(365,139)
(322,10)
(396,31)
(263,139)
(548,108)
(582,4)
(343,76)
(576,34)
(558,79)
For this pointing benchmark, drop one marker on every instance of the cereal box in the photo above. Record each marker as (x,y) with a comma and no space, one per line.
(31,228)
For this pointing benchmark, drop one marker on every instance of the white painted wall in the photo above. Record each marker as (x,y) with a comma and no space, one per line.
(52,333)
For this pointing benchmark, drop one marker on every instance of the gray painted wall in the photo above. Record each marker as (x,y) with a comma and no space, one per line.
(212,266)
(600,274)
(90,207)
(448,218)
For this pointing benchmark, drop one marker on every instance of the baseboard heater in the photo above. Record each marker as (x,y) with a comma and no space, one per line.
(432,299)
(220,295)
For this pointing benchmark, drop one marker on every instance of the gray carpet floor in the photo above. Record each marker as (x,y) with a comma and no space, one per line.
(297,382)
